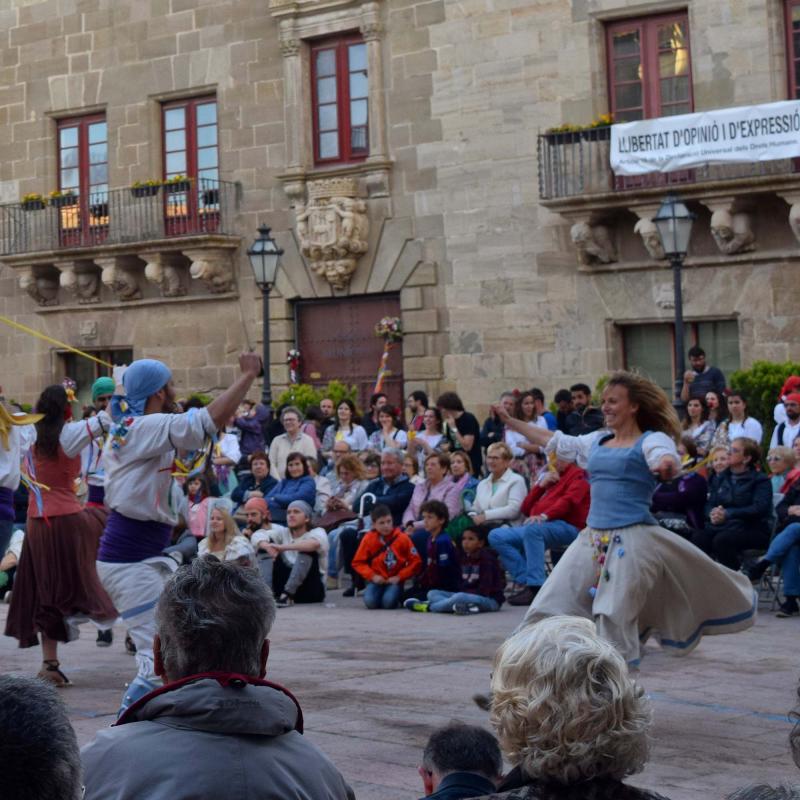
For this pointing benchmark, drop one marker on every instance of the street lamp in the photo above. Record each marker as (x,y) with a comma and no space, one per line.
(265,255)
(674,224)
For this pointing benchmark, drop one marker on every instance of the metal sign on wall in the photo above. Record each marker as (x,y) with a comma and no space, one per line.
(725,136)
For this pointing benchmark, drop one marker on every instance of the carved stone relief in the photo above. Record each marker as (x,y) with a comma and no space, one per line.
(593,244)
(42,289)
(82,283)
(646,228)
(212,266)
(160,269)
(333,229)
(731,232)
(117,274)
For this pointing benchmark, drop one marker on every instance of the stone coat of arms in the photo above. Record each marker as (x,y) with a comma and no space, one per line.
(333,229)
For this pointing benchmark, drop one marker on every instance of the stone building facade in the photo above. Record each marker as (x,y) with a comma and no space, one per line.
(452,209)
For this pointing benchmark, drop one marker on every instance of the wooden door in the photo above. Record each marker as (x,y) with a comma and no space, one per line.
(337,341)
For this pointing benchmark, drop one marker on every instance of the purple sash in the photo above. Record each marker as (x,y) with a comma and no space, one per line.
(97,495)
(7,505)
(127,540)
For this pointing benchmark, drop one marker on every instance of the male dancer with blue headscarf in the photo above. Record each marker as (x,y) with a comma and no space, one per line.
(138,461)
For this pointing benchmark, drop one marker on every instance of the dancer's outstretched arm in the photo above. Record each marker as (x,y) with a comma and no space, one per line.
(224,407)
(540,436)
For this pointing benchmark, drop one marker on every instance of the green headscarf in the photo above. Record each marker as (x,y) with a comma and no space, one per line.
(102,385)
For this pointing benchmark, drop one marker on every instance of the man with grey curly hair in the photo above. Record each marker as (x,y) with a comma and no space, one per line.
(567,714)
(216,728)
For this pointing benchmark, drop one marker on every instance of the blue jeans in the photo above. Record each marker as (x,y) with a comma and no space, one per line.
(383,595)
(521,549)
(785,550)
(443,602)
(333,549)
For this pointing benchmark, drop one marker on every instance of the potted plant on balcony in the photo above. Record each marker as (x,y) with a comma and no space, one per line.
(33,202)
(145,188)
(597,130)
(179,183)
(59,199)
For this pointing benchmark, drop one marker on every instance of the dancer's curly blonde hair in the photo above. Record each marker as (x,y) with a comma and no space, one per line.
(564,707)
(655,410)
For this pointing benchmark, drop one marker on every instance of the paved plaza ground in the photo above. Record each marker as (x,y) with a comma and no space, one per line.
(373,684)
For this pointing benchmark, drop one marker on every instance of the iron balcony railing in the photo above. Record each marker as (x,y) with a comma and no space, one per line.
(119,216)
(579,163)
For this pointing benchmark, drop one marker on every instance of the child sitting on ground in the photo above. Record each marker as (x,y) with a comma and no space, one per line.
(385,559)
(481,579)
(442,570)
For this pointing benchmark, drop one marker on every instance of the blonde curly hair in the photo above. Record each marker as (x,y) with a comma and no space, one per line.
(564,707)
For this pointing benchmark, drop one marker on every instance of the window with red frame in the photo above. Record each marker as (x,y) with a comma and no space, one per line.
(83,156)
(190,139)
(793,47)
(340,94)
(649,67)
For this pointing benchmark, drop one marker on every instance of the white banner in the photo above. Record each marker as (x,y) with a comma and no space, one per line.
(725,136)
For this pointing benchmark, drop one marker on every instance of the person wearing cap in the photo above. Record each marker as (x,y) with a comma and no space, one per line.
(791,384)
(92,455)
(296,557)
(785,432)
(138,461)
(260,524)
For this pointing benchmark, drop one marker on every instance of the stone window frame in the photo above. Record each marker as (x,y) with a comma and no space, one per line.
(339,45)
(651,102)
(792,57)
(299,27)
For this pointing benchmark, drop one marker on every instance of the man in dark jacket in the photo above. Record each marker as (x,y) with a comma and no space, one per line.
(585,418)
(556,510)
(739,508)
(216,728)
(392,489)
(460,761)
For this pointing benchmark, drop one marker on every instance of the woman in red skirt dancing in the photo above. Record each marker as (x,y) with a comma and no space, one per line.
(56,584)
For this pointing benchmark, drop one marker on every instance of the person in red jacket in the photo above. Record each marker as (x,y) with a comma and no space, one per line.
(556,509)
(385,558)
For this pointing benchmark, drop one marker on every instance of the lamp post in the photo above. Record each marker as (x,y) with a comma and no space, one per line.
(674,224)
(265,255)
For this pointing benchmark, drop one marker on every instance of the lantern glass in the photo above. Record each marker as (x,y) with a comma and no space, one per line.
(674,224)
(264,255)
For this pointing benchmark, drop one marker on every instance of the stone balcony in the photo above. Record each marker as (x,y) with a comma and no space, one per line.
(745,211)
(124,245)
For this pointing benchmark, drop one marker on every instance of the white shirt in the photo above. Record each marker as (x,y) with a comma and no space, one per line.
(238,547)
(20,439)
(514,439)
(281,447)
(749,429)
(138,463)
(277,534)
(15,545)
(789,433)
(501,499)
(324,492)
(228,447)
(577,448)
(92,452)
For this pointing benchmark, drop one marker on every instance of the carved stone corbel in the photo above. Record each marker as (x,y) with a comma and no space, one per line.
(593,244)
(333,229)
(81,282)
(118,275)
(212,266)
(646,228)
(794,213)
(161,269)
(42,289)
(731,231)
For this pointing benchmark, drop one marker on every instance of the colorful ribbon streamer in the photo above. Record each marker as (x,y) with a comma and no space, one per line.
(383,371)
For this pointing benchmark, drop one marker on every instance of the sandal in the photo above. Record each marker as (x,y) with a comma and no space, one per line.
(51,673)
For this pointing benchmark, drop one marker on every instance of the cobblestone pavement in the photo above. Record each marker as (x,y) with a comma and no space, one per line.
(374,684)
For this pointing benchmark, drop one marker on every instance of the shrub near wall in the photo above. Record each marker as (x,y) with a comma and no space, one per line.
(761,386)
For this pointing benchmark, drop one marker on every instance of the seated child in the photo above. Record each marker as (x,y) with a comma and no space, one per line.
(385,559)
(442,570)
(481,579)
(8,563)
